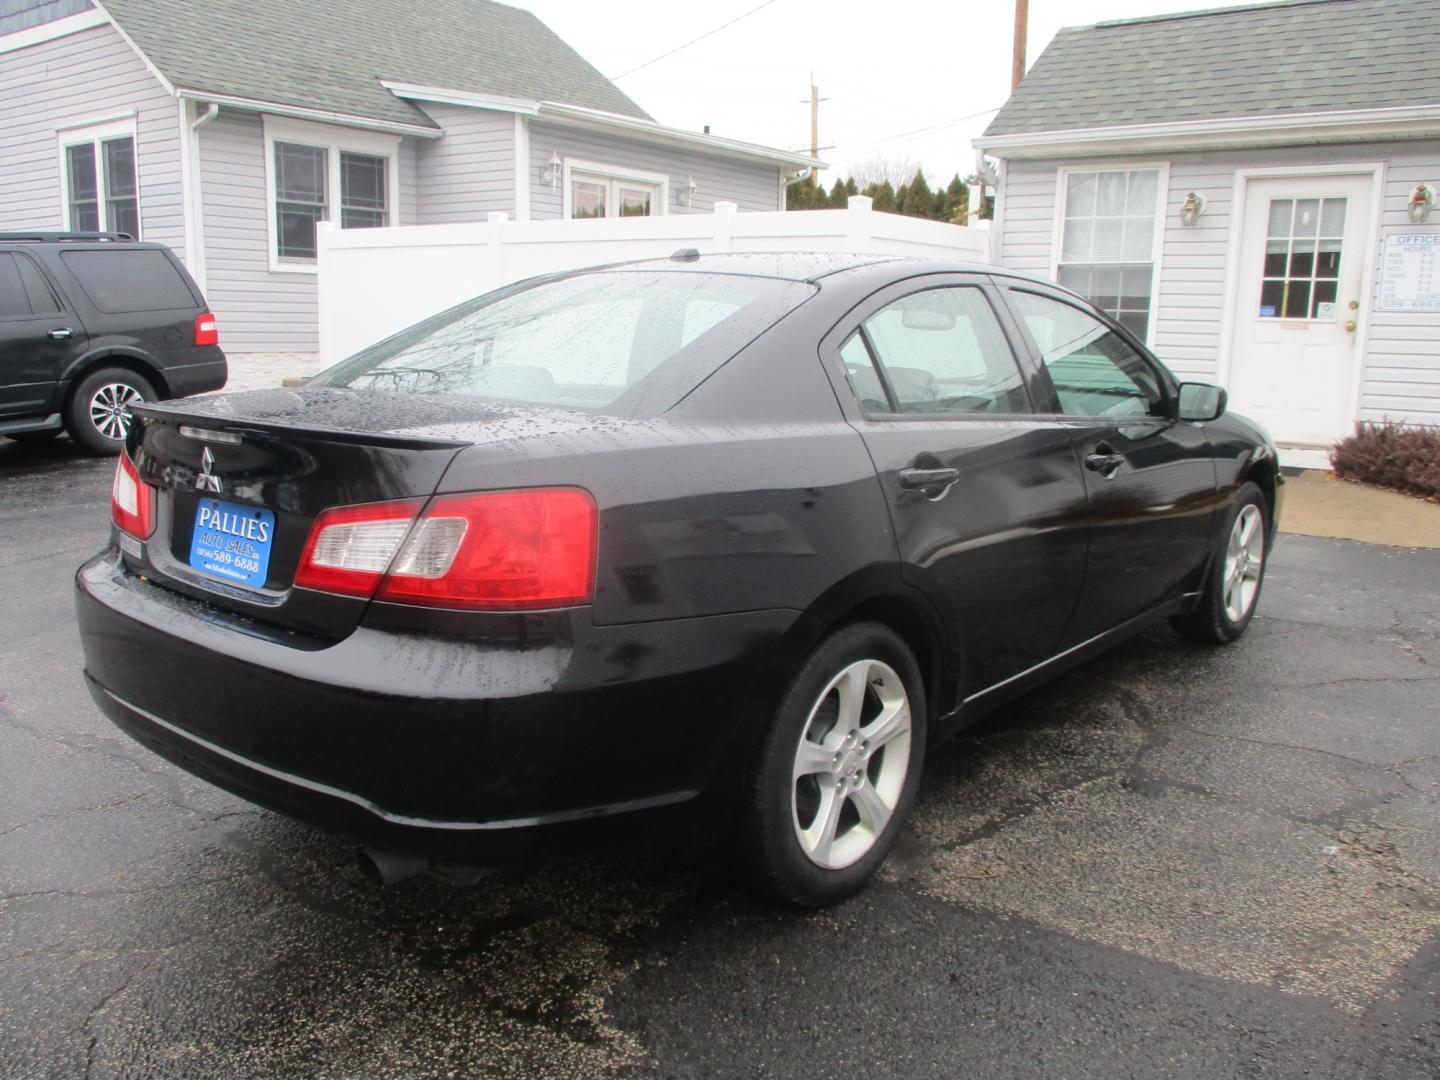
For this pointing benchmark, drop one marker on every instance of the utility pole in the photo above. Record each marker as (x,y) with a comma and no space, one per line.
(1017,66)
(814,118)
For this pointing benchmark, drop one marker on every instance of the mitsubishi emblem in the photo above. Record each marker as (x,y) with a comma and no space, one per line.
(207,481)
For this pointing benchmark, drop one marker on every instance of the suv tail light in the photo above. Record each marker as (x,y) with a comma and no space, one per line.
(492,551)
(131,501)
(207,331)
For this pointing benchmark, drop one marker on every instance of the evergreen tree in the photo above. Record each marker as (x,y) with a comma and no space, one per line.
(839,195)
(955,202)
(884,196)
(919,200)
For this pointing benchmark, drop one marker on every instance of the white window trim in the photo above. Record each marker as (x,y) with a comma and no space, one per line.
(612,172)
(96,133)
(1157,246)
(333,140)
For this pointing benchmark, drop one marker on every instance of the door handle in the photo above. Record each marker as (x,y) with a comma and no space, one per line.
(60,333)
(925,479)
(1106,464)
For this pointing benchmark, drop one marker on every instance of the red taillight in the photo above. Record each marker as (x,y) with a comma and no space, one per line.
(495,551)
(207,331)
(131,500)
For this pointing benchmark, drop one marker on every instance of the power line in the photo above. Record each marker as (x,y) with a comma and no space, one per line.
(923,130)
(692,41)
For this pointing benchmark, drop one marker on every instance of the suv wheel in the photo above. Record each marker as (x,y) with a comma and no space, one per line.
(98,414)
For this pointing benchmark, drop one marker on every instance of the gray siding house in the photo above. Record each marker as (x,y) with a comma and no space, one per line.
(1250,190)
(227,130)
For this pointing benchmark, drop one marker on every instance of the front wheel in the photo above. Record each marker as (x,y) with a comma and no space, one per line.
(1232,589)
(838,769)
(98,414)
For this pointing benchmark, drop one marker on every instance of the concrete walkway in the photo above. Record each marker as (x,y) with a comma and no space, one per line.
(1319,504)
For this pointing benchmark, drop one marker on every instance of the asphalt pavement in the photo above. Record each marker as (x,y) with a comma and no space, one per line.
(1174,861)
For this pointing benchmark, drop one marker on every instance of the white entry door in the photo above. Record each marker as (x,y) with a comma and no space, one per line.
(1297,311)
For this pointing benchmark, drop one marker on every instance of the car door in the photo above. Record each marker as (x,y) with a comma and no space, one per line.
(985,495)
(1150,479)
(37,338)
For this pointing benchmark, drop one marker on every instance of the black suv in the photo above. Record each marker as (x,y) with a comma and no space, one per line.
(92,323)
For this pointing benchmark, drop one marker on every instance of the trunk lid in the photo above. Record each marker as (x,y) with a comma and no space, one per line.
(250,472)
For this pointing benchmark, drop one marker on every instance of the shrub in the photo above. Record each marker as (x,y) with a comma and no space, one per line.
(1399,456)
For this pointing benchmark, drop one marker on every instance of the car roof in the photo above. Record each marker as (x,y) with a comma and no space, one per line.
(811,266)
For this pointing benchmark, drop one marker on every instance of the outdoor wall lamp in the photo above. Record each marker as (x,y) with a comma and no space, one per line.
(1422,201)
(1191,209)
(552,169)
(687,191)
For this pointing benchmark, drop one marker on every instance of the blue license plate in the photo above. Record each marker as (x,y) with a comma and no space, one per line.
(232,542)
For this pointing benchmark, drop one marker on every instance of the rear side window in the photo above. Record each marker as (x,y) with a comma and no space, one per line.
(23,289)
(941,351)
(119,280)
(580,341)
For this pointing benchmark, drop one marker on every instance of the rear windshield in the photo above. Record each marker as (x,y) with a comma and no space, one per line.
(586,341)
(119,280)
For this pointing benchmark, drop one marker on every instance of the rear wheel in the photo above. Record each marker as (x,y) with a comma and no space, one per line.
(838,769)
(98,413)
(1237,571)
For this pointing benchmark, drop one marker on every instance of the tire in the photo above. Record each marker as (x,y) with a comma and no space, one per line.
(831,785)
(1237,572)
(96,414)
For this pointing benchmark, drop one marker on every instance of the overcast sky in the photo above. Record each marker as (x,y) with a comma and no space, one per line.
(887,69)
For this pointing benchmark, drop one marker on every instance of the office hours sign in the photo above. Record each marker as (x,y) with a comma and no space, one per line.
(1410,272)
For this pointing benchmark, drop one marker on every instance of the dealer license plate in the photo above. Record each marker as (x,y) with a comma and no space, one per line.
(232,542)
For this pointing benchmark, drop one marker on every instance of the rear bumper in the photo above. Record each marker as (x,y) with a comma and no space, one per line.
(458,749)
(203,369)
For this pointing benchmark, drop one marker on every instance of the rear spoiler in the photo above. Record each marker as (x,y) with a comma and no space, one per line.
(175,413)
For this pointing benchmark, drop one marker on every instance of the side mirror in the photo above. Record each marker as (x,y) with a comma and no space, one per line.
(1199,402)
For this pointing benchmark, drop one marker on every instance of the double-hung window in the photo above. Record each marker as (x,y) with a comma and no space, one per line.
(98,170)
(1108,241)
(597,191)
(320,174)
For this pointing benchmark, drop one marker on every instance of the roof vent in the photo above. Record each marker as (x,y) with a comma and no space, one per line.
(686,255)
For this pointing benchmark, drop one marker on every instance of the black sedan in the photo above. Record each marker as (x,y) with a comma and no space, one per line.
(663,550)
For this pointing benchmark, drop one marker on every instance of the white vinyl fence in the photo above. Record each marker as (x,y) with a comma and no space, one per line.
(376,281)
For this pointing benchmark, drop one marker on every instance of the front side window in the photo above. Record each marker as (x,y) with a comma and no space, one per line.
(596,196)
(1107,251)
(581,341)
(940,351)
(1094,371)
(101,193)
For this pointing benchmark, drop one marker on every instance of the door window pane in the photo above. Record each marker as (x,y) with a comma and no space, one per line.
(37,289)
(942,351)
(1094,371)
(13,301)
(635,201)
(362,191)
(863,378)
(84,195)
(300,184)
(1302,258)
(1107,245)
(588,199)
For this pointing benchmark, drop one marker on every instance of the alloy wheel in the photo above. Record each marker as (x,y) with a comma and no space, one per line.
(110,409)
(850,764)
(1244,561)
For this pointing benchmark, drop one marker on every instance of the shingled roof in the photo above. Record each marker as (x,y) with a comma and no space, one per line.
(1301,56)
(332,55)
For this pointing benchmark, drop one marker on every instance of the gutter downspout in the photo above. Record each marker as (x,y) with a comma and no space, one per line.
(195,218)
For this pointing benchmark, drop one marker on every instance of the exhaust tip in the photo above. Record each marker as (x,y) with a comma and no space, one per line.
(384,868)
